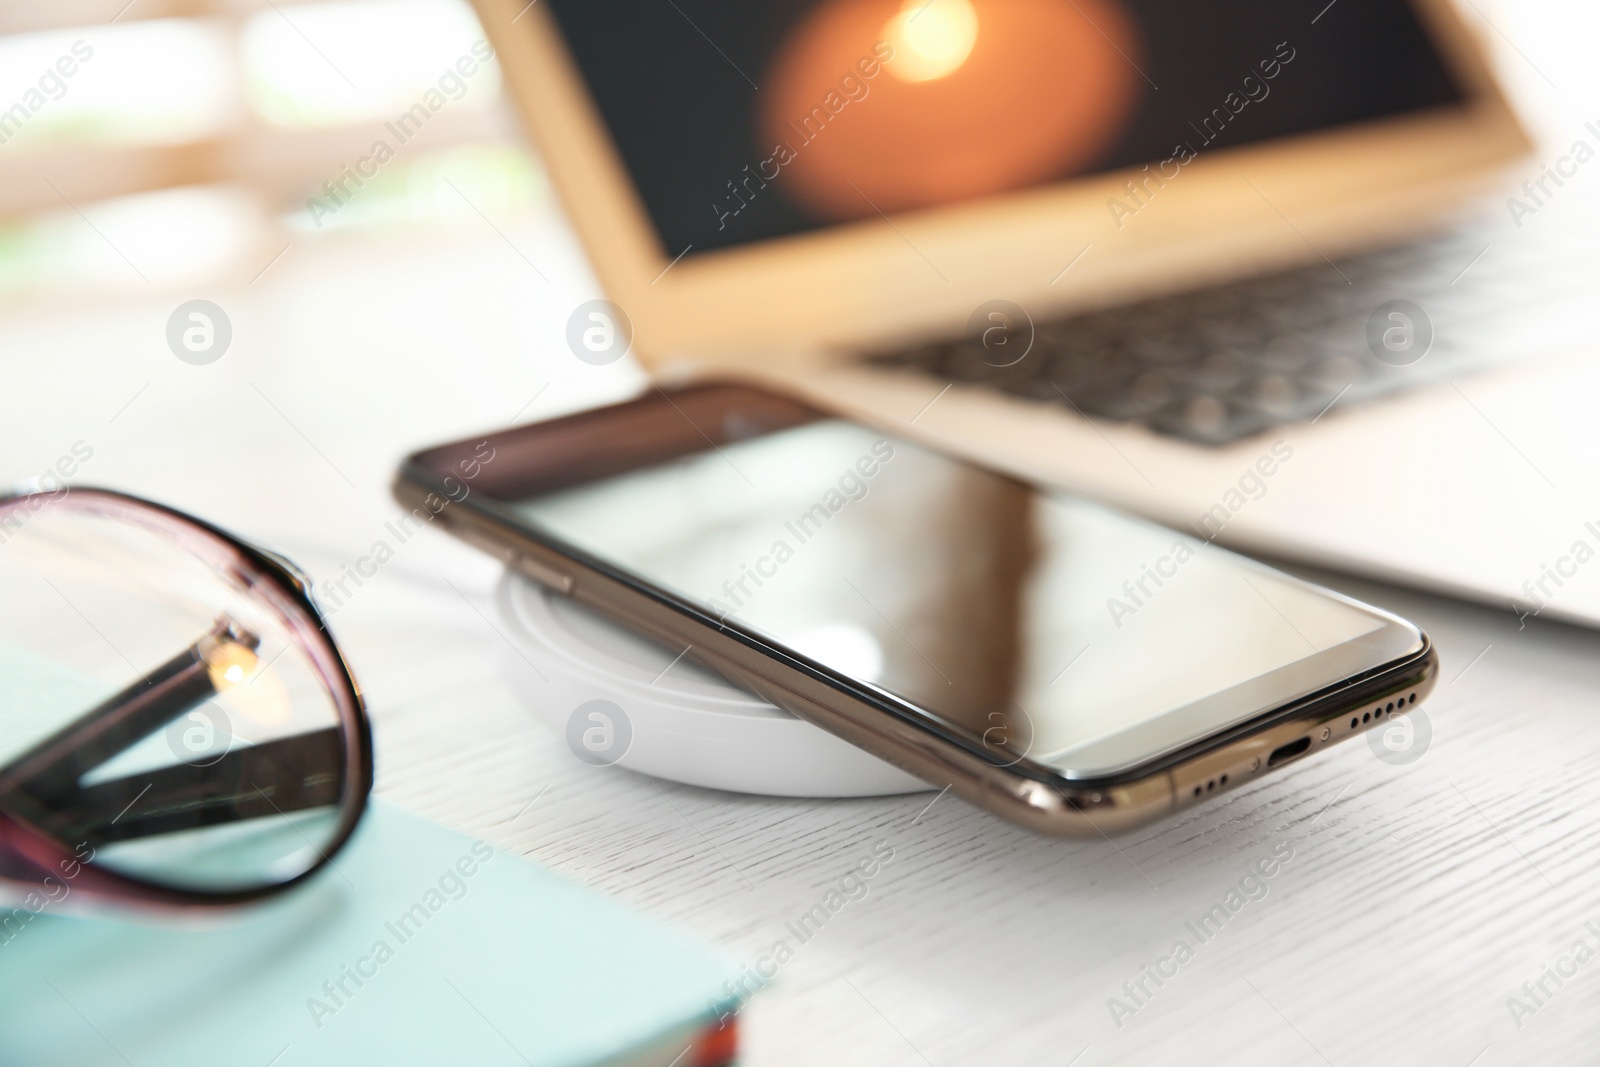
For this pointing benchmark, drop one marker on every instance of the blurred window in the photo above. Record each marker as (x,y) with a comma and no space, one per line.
(182,140)
(389,55)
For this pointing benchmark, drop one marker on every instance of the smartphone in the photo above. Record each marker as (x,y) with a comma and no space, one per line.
(1061,664)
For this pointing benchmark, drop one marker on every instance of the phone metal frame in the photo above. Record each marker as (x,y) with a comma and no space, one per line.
(1091,803)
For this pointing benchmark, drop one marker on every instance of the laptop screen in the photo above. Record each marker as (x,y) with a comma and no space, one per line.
(746,120)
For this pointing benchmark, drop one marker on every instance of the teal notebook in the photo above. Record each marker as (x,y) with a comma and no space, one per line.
(423,947)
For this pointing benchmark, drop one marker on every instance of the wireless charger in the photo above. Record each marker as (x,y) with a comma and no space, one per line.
(620,699)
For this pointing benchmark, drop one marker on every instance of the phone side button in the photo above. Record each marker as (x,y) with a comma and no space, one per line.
(542,573)
(495,546)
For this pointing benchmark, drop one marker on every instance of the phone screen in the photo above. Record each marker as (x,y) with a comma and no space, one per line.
(1031,617)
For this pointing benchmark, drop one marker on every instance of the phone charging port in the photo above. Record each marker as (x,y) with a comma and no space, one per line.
(1285,753)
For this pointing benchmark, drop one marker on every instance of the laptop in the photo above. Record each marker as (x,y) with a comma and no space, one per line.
(1283,274)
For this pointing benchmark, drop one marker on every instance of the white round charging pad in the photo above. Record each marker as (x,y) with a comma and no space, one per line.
(618,698)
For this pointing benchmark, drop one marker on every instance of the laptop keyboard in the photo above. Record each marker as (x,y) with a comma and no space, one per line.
(1215,365)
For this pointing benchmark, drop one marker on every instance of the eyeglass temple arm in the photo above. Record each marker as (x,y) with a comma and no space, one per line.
(51,769)
(289,774)
(277,777)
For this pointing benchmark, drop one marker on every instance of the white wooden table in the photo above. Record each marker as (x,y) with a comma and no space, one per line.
(1415,900)
(1407,907)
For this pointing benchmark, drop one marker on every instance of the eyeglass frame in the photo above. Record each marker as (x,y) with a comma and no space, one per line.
(287,590)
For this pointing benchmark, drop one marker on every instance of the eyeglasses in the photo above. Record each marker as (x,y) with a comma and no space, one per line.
(176,724)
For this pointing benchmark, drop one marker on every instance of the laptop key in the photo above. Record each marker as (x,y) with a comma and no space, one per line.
(1208,420)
